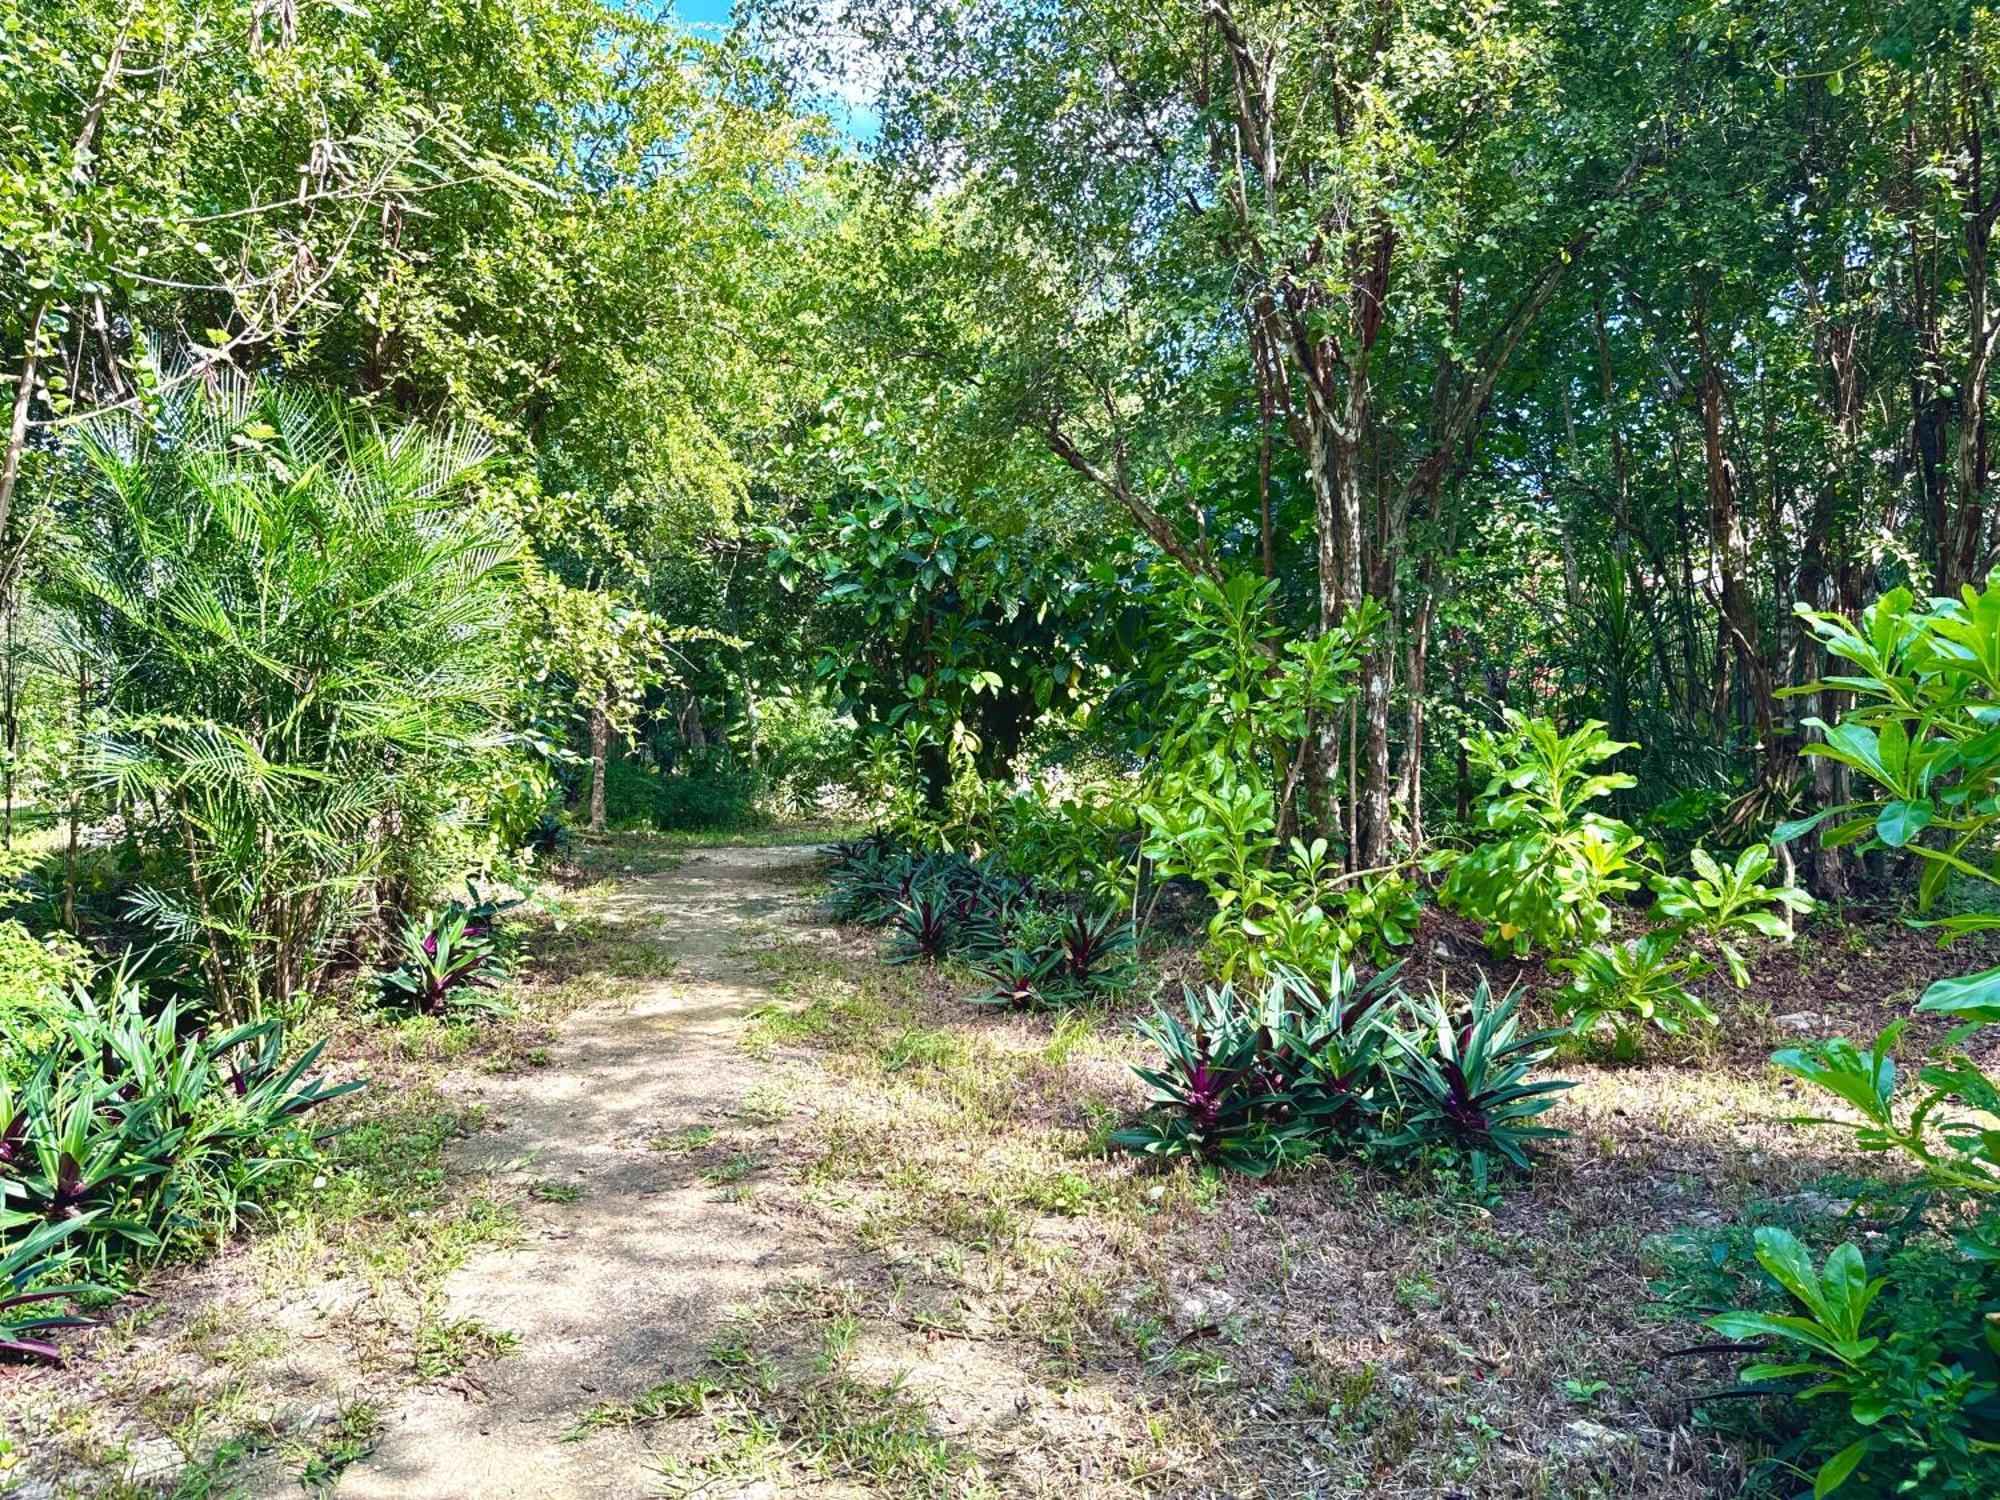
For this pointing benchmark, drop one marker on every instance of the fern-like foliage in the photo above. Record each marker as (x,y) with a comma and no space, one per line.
(296,618)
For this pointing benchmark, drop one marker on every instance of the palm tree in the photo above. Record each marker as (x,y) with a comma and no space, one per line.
(294,620)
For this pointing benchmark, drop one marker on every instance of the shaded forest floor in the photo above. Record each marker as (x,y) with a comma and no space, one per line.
(731,1209)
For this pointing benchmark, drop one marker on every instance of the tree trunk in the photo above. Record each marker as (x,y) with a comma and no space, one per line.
(1732,556)
(600,747)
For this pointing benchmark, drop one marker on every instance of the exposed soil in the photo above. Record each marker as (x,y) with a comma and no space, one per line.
(633,1275)
(791,1222)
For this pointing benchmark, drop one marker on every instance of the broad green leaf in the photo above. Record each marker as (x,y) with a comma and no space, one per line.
(1899,822)
(1972,997)
(1836,1470)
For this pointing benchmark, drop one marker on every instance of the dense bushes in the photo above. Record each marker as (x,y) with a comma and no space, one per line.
(1884,1356)
(1547,878)
(635,797)
(1257,1082)
(1887,1353)
(141,1129)
(1034,944)
(294,618)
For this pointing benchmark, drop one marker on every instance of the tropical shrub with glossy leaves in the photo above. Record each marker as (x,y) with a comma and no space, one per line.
(1545,879)
(1648,979)
(1631,984)
(1887,1357)
(1725,902)
(1225,796)
(1914,1390)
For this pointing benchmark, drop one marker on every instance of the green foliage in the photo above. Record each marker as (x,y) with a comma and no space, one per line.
(452,958)
(33,1257)
(36,973)
(1721,901)
(1308,1067)
(1925,693)
(1545,879)
(1926,686)
(941,627)
(635,797)
(1246,693)
(1642,980)
(297,621)
(1462,1082)
(1033,944)
(158,1132)
(1890,1353)
(1214,1093)
(1647,978)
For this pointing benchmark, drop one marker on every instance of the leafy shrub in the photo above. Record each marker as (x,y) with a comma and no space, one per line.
(713,798)
(1906,1345)
(297,623)
(1544,881)
(1306,1067)
(1887,1359)
(31,1293)
(1647,978)
(452,958)
(1082,839)
(1627,984)
(1724,901)
(36,973)
(144,1127)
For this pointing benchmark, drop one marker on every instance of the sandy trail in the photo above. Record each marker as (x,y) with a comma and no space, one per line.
(623,1287)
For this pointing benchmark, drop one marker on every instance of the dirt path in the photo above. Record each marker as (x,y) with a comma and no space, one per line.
(622,1284)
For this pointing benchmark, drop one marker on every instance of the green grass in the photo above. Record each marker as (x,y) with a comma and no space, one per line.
(449,1347)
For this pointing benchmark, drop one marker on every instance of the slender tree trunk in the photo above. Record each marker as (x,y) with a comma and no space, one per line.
(1739,610)
(600,749)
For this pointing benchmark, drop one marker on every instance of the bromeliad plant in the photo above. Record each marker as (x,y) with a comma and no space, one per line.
(139,1128)
(451,959)
(1019,979)
(924,929)
(1462,1082)
(1330,1045)
(1305,1067)
(1095,953)
(1216,1093)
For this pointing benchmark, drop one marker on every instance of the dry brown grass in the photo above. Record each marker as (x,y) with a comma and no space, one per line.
(1090,1326)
